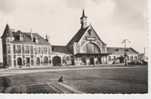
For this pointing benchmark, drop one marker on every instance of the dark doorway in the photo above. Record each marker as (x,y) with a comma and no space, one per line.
(99,59)
(38,61)
(45,60)
(91,61)
(84,60)
(19,61)
(56,61)
(27,61)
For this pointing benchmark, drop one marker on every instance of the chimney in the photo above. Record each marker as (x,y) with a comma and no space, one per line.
(31,36)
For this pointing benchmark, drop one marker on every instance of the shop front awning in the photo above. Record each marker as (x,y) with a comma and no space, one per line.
(91,54)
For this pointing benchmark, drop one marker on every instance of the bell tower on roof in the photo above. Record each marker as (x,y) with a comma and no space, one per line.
(83,19)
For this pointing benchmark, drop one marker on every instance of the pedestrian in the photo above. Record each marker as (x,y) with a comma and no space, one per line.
(60,79)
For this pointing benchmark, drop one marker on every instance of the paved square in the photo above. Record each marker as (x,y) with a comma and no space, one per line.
(132,79)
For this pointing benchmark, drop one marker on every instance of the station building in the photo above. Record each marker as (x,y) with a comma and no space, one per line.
(22,49)
(87,48)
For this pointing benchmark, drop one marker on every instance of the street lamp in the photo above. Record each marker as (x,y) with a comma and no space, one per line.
(125,41)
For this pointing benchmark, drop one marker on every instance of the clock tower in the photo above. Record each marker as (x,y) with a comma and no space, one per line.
(83,20)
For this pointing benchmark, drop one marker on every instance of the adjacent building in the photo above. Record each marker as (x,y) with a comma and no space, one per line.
(22,49)
(115,53)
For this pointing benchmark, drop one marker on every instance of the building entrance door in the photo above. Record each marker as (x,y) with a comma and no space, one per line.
(27,61)
(56,61)
(91,61)
(99,59)
(19,61)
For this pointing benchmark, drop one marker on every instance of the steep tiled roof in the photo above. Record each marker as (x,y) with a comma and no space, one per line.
(120,50)
(61,49)
(97,35)
(27,38)
(79,34)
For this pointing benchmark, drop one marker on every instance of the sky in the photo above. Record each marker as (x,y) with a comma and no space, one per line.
(113,20)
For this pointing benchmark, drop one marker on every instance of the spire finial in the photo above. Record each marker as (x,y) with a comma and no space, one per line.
(83,14)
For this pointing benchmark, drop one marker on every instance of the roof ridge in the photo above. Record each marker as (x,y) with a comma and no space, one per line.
(78,35)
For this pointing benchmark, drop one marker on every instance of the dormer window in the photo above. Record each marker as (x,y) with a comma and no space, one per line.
(34,39)
(17,37)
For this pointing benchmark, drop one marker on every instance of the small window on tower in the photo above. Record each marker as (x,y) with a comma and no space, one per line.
(126,50)
(89,32)
(117,49)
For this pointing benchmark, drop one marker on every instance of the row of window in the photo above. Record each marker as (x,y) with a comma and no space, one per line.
(42,50)
(29,61)
(28,49)
(128,58)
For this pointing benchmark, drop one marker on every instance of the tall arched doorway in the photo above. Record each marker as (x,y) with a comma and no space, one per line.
(19,61)
(56,61)
(38,61)
(45,60)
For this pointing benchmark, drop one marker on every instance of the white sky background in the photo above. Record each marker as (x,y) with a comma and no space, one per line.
(113,20)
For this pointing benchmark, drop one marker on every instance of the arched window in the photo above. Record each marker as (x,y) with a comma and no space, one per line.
(19,61)
(91,48)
